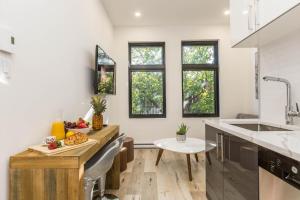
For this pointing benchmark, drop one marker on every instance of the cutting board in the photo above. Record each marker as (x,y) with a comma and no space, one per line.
(44,149)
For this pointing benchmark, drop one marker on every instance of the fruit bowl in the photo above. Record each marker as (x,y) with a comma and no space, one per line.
(80,130)
(80,126)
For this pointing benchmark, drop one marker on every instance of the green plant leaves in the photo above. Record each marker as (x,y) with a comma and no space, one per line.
(147,92)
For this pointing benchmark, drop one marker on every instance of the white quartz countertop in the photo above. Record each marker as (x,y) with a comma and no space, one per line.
(284,142)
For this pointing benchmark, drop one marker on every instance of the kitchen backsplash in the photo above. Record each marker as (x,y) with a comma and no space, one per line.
(281,58)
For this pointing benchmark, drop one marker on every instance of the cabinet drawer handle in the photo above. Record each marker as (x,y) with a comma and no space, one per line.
(257,24)
(220,153)
(217,145)
(222,148)
(250,25)
(293,180)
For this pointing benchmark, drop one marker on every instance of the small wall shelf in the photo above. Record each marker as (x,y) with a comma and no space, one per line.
(276,29)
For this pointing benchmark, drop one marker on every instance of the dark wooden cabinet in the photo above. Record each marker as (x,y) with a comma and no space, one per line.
(233,172)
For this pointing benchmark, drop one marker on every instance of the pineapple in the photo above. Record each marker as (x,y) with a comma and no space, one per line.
(99,105)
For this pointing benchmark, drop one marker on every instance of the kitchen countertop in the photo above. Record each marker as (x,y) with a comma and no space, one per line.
(284,142)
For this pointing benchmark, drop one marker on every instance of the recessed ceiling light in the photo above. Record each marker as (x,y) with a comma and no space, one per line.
(226,12)
(137,14)
(245,12)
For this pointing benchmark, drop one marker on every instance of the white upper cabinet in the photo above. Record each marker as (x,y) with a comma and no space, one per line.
(269,10)
(242,19)
(249,16)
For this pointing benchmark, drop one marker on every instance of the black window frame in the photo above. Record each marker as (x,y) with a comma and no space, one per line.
(147,68)
(202,67)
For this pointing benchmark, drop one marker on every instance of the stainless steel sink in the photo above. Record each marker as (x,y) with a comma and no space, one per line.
(260,127)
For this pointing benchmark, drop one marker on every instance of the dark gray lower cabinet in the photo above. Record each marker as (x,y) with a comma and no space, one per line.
(233,171)
(214,171)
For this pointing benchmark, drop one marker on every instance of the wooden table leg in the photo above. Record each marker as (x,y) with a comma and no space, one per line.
(208,158)
(188,158)
(196,156)
(159,156)
(113,175)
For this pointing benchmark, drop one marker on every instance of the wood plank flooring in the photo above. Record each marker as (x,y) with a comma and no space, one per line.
(168,181)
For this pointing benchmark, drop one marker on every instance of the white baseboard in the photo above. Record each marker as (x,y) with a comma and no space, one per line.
(144,146)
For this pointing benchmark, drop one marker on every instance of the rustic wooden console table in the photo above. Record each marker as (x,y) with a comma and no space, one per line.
(35,176)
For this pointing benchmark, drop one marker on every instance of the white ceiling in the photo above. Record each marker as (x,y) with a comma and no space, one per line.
(167,12)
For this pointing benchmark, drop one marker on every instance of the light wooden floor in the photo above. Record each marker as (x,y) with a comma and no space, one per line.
(169,181)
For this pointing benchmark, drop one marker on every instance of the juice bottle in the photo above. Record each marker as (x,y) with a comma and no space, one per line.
(58,130)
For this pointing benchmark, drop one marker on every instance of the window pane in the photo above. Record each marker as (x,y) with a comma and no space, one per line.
(147,93)
(146,55)
(197,54)
(198,92)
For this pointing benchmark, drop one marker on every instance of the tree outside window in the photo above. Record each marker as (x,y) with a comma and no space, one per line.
(147,80)
(200,79)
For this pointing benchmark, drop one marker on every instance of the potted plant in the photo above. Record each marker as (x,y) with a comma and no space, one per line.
(99,105)
(181,133)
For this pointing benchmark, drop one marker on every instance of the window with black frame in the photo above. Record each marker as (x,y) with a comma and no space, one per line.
(200,84)
(147,90)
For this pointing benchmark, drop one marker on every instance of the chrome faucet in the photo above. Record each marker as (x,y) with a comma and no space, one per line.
(290,113)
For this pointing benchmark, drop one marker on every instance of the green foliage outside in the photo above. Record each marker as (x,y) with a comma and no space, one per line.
(198,85)
(147,93)
(198,92)
(198,55)
(146,56)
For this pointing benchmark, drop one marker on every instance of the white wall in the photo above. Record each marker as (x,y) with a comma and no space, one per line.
(281,59)
(236,80)
(51,69)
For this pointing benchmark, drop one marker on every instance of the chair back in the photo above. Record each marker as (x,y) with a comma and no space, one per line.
(121,139)
(102,161)
(99,165)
